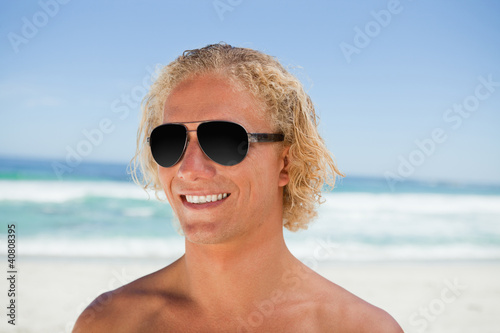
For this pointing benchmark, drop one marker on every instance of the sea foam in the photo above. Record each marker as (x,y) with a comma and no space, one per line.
(62,191)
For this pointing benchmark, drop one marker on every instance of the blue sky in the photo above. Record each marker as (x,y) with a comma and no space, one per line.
(388,77)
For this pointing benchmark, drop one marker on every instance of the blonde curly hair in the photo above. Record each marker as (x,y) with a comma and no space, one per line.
(289,108)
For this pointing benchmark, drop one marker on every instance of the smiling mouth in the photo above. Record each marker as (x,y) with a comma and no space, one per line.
(202,199)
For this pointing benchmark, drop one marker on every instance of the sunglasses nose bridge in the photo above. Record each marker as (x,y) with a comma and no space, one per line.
(189,137)
(192,143)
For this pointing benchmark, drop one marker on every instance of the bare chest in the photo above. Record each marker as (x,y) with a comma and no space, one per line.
(260,319)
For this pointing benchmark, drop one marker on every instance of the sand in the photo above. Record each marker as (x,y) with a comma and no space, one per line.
(422,297)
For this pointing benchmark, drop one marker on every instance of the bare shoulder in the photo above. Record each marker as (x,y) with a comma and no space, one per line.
(124,309)
(345,311)
(113,311)
(98,316)
(361,316)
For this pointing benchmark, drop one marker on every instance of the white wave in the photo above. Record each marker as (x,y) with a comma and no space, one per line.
(138,212)
(107,248)
(369,226)
(414,218)
(412,202)
(311,251)
(356,204)
(62,191)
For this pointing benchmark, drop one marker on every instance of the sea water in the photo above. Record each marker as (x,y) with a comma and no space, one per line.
(96,211)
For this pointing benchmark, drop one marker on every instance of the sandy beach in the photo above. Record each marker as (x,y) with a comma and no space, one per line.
(422,297)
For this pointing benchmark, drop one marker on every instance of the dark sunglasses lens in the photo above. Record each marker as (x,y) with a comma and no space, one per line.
(225,143)
(167,144)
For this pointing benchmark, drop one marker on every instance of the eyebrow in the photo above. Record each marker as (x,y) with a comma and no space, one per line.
(192,122)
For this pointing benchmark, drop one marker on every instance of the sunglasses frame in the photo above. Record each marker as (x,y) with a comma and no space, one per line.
(252,137)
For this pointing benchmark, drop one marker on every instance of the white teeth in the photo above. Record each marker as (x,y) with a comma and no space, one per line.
(207,198)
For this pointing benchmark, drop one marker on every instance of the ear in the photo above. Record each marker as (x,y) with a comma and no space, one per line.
(284,177)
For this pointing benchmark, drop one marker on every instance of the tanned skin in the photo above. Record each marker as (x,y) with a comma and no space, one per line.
(236,275)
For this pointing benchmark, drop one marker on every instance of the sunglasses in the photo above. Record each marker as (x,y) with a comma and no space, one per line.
(224,142)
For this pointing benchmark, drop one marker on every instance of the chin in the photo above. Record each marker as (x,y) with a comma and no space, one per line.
(202,233)
(206,233)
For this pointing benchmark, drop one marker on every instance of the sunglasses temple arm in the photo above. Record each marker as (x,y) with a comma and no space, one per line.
(265,137)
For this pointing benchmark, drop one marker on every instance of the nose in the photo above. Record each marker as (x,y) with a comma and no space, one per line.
(194,163)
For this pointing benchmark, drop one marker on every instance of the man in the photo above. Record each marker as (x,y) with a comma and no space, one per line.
(231,138)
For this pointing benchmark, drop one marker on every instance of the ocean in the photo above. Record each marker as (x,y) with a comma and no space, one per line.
(96,211)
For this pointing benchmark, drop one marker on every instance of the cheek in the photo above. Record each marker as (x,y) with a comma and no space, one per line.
(165,180)
(162,174)
(263,175)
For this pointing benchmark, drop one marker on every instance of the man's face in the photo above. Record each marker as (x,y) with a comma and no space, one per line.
(254,186)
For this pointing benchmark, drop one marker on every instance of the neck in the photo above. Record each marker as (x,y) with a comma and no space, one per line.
(235,274)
